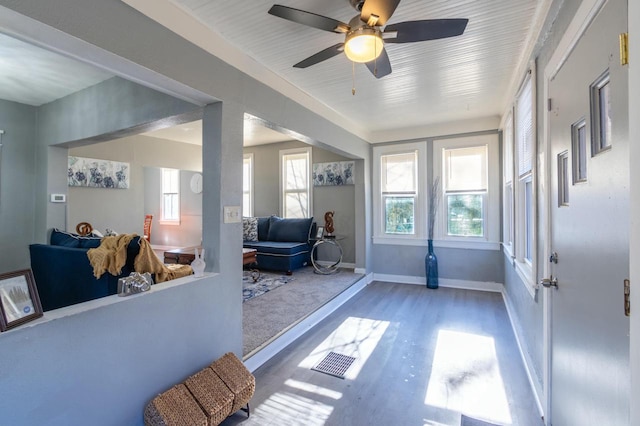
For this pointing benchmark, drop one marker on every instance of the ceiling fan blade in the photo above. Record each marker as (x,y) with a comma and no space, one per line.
(323,55)
(308,18)
(383,9)
(380,66)
(430,29)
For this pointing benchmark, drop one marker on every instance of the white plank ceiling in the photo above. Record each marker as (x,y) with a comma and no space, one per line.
(460,78)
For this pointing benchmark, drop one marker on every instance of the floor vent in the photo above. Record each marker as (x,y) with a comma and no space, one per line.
(334,364)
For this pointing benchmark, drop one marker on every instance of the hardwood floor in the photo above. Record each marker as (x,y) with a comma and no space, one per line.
(423,357)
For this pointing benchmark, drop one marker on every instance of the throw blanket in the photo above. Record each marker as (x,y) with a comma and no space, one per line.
(147,261)
(111,256)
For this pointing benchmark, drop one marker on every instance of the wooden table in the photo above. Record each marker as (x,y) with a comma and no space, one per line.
(249,256)
(183,256)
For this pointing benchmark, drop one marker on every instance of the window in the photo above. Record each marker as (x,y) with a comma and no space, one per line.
(469,213)
(600,115)
(579,149)
(170,196)
(525,183)
(400,202)
(507,202)
(247,185)
(294,183)
(465,190)
(399,192)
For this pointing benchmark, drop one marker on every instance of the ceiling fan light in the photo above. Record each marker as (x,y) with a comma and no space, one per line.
(363,45)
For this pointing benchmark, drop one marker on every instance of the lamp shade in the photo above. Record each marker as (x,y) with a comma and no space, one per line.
(363,45)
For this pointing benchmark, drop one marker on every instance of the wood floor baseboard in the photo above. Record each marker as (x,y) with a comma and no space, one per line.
(443,282)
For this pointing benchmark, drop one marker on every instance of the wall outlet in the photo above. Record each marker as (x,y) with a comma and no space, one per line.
(232,214)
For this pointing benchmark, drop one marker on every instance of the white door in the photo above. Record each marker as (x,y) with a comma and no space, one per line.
(589,220)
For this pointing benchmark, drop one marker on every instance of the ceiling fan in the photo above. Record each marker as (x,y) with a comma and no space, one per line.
(366,33)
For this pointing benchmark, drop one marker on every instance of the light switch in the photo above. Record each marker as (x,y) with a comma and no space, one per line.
(232,214)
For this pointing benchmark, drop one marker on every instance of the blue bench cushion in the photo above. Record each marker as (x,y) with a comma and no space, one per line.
(277,248)
(67,239)
(280,256)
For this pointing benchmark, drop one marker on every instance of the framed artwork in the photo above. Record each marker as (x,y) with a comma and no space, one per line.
(319,232)
(19,301)
(95,173)
(333,174)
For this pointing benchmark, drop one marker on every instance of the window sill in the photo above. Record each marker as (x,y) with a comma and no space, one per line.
(169,222)
(423,242)
(525,273)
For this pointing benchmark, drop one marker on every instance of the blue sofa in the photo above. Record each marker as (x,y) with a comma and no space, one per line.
(64,275)
(282,244)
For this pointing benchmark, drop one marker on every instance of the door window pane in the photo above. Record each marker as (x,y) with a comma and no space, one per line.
(600,114)
(563,179)
(579,148)
(464,215)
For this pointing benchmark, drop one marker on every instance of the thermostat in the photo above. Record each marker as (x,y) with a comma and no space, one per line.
(58,198)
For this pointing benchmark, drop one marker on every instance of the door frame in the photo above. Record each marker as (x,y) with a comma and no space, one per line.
(583,17)
(633,26)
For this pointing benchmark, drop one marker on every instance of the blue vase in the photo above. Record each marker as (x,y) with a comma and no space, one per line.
(431,267)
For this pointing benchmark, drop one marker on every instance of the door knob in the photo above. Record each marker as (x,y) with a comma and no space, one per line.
(549,282)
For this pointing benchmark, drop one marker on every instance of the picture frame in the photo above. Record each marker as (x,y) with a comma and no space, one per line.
(19,300)
(320,232)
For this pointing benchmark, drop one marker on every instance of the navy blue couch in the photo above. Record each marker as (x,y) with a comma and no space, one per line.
(64,275)
(283,244)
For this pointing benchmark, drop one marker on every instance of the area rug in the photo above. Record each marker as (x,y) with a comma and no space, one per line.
(470,421)
(266,317)
(266,282)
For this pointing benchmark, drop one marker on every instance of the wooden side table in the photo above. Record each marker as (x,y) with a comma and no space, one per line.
(183,256)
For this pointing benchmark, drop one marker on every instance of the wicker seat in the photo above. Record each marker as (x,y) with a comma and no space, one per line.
(206,398)
(174,407)
(237,378)
(212,394)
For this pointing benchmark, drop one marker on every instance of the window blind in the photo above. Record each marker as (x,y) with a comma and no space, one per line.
(524,128)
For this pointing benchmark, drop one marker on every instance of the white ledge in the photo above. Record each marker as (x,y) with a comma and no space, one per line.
(90,305)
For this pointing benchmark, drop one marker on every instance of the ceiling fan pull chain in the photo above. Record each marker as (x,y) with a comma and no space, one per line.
(353,78)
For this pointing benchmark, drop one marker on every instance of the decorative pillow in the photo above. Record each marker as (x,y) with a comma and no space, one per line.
(67,239)
(250,229)
(289,230)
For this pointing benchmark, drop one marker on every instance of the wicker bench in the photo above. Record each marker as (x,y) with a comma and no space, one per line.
(206,398)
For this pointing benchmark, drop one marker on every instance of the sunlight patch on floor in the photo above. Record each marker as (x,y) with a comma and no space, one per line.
(465,377)
(356,337)
(285,408)
(311,388)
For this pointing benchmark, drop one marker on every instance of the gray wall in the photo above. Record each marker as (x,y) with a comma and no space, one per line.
(528,312)
(453,263)
(340,199)
(123,210)
(17,184)
(60,370)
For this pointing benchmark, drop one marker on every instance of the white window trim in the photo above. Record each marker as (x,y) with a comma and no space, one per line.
(508,220)
(420,220)
(249,156)
(526,269)
(162,220)
(284,152)
(491,213)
